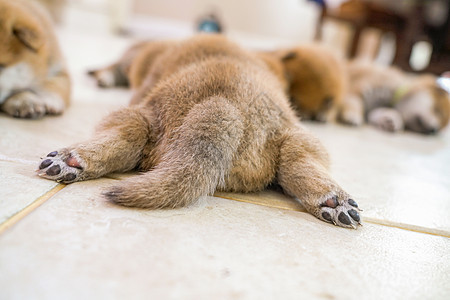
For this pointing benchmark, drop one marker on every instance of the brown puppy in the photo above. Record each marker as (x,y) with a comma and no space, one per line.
(33,76)
(216,119)
(392,100)
(316,80)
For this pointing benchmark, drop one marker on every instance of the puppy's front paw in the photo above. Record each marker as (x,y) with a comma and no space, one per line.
(386,119)
(31,105)
(105,77)
(61,166)
(339,210)
(24,105)
(352,118)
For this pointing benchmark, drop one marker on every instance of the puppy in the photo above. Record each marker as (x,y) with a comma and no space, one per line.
(316,81)
(216,119)
(392,100)
(33,77)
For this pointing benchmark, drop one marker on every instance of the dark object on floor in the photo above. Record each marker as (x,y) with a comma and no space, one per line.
(209,24)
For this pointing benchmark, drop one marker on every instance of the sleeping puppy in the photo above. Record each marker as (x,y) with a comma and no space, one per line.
(33,77)
(392,100)
(215,119)
(315,81)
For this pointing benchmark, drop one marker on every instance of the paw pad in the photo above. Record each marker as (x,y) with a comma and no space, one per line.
(45,163)
(60,166)
(52,154)
(340,211)
(53,170)
(344,219)
(354,214)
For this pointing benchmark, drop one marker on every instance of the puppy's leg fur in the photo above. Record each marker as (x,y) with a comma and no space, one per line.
(116,74)
(56,90)
(303,173)
(197,160)
(352,111)
(116,146)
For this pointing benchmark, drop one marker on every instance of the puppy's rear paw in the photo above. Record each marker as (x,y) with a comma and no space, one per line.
(61,166)
(341,211)
(105,77)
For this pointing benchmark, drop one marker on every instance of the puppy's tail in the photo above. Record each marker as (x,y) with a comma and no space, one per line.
(198,157)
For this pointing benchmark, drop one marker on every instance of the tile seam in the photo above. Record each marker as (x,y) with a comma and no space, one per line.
(45,197)
(11,221)
(413,228)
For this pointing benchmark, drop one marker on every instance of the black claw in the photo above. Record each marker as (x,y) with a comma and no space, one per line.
(55,170)
(52,154)
(44,164)
(344,219)
(352,203)
(69,177)
(354,214)
(326,216)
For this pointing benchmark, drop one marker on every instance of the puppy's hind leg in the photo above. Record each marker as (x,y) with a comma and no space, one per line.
(195,162)
(303,174)
(110,76)
(117,74)
(117,146)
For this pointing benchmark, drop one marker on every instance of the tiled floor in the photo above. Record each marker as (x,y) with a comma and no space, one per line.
(66,242)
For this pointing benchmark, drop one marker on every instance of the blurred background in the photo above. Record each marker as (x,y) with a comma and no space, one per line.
(412,34)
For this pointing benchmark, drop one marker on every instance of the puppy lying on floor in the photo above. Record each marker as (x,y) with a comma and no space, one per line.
(315,80)
(33,76)
(392,100)
(215,119)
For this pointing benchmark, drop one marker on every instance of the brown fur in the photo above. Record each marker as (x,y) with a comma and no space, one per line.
(216,119)
(311,75)
(316,81)
(33,77)
(393,100)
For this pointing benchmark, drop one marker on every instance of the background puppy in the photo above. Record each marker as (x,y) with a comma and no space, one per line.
(392,100)
(33,76)
(316,81)
(216,118)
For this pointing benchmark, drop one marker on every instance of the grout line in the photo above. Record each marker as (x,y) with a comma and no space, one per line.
(407,227)
(259,203)
(35,204)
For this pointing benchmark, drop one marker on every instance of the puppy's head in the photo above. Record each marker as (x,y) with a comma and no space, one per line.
(425,108)
(22,38)
(316,81)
